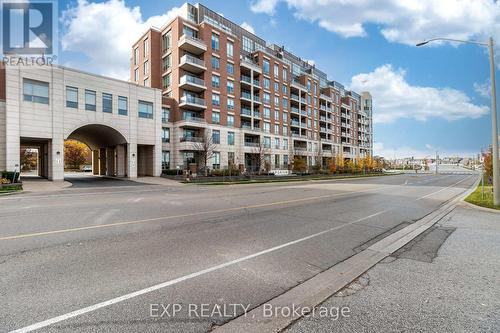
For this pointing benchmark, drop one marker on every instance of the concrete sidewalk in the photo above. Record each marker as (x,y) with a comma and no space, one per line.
(428,285)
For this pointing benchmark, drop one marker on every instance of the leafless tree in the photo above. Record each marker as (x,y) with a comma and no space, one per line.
(205,148)
(318,165)
(259,153)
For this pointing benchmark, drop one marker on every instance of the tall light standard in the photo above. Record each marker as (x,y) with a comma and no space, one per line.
(494,126)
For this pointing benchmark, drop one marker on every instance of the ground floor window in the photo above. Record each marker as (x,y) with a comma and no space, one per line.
(165,160)
(276,161)
(216,160)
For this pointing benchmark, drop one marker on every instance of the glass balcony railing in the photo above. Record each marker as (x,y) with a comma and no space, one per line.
(193,100)
(187,58)
(192,79)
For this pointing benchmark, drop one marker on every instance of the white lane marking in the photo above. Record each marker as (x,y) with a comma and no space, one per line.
(443,189)
(48,196)
(125,297)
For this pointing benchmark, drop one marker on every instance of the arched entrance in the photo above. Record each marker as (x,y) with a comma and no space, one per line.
(109,149)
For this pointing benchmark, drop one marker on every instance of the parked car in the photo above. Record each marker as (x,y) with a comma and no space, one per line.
(87,168)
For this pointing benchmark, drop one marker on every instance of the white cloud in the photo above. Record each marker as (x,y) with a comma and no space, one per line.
(248,27)
(402,21)
(104,32)
(483,89)
(429,146)
(395,98)
(264,6)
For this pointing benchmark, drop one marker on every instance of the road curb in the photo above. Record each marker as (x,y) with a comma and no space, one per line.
(323,285)
(485,209)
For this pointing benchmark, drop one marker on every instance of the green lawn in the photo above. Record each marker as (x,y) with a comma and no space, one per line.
(476,198)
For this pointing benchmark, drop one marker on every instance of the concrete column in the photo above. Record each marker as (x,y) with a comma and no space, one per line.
(95,162)
(121,158)
(110,161)
(102,161)
(56,155)
(132,160)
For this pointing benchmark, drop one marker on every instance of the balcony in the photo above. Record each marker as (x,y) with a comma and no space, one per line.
(256,114)
(294,110)
(246,112)
(294,97)
(192,64)
(298,85)
(191,118)
(192,83)
(325,97)
(250,64)
(192,44)
(191,139)
(246,95)
(192,102)
(251,144)
(323,129)
(245,79)
(322,118)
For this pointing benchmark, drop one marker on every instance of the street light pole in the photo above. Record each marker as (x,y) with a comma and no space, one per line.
(494,124)
(494,128)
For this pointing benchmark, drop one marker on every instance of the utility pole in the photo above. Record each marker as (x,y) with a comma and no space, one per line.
(494,128)
(437,162)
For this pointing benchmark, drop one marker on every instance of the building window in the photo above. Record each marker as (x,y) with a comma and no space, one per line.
(276,129)
(146,47)
(216,160)
(267,142)
(229,50)
(215,42)
(165,135)
(285,144)
(90,100)
(284,89)
(230,158)
(276,71)
(215,63)
(165,160)
(230,138)
(285,103)
(267,112)
(285,117)
(266,97)
(267,127)
(146,67)
(284,73)
(276,115)
(145,110)
(136,75)
(277,143)
(122,106)
(247,44)
(267,83)
(36,91)
(215,81)
(265,66)
(230,87)
(285,160)
(230,103)
(276,101)
(215,99)
(215,117)
(230,68)
(165,114)
(230,120)
(71,97)
(107,103)
(285,130)
(167,41)
(276,160)
(146,82)
(216,136)
(166,81)
(276,87)
(167,62)
(136,56)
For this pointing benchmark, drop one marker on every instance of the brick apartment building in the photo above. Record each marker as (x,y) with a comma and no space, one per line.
(222,82)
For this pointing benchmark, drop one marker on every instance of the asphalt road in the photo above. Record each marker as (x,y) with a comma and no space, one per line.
(111,259)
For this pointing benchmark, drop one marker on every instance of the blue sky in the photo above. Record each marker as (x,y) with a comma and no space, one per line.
(425,99)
